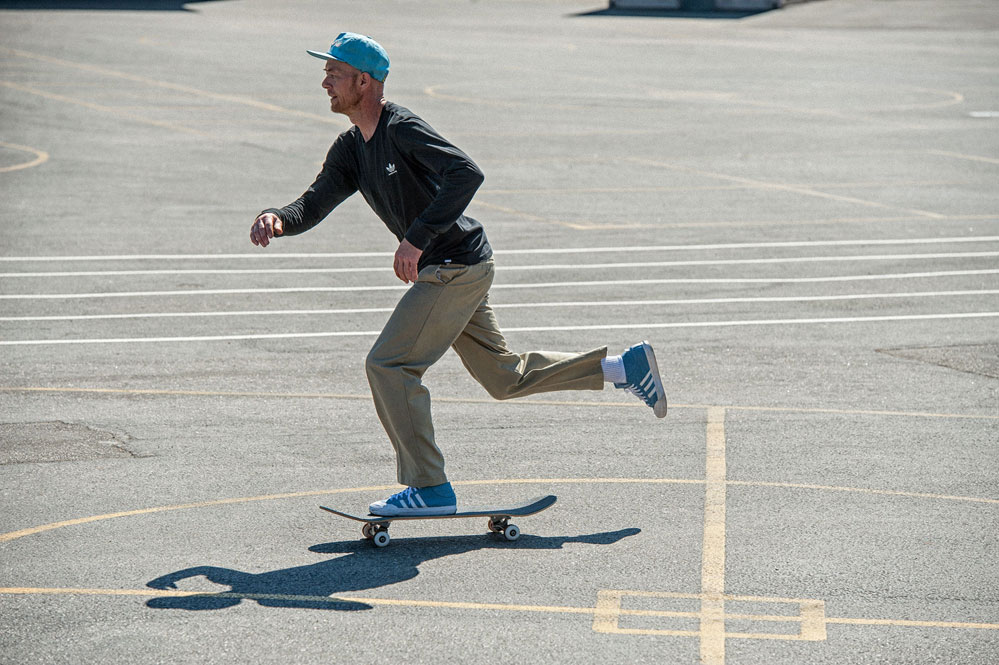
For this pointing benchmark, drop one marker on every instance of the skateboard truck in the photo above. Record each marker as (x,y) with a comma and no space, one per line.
(502,526)
(378,532)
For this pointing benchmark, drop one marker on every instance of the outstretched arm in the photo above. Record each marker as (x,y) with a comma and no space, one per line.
(213,573)
(331,187)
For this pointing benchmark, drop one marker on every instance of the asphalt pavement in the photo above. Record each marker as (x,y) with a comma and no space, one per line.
(797,208)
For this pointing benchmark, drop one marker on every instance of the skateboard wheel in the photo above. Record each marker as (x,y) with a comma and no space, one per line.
(381,539)
(511,532)
(368,530)
(494,526)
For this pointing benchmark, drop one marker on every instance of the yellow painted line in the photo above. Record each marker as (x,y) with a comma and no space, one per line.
(433,92)
(236,99)
(653,631)
(40,157)
(710,188)
(863,490)
(715,534)
(615,190)
(912,624)
(727,99)
(958,155)
(105,109)
(807,191)
(582,225)
(592,226)
(790,637)
(334,396)
(66,591)
(952,99)
(552,609)
(604,613)
(813,620)
(13,535)
(712,631)
(469,400)
(583,481)
(388,602)
(825,113)
(763,617)
(531,217)
(607,613)
(858,412)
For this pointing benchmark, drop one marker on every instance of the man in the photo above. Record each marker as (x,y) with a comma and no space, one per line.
(419,185)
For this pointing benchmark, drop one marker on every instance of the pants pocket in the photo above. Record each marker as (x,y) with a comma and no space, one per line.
(447,272)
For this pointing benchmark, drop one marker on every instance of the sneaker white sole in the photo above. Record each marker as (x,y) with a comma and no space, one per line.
(392,511)
(660,408)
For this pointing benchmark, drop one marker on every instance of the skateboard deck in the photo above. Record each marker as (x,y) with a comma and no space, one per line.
(376,527)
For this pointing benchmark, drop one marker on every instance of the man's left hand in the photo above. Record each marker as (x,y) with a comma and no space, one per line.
(407,258)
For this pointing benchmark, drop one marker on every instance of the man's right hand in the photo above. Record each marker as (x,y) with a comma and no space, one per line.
(265,226)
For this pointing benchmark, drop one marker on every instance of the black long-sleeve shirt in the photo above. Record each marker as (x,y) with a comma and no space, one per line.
(417,183)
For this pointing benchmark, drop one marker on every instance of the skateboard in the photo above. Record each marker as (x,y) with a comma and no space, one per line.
(376,527)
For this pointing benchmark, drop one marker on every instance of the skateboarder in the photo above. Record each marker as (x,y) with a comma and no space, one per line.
(419,185)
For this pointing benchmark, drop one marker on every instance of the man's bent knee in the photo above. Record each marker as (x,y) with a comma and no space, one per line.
(374,364)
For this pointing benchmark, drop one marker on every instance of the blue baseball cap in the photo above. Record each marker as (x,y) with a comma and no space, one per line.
(360,52)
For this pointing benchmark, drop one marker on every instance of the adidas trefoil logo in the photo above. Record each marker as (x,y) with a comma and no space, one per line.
(390,169)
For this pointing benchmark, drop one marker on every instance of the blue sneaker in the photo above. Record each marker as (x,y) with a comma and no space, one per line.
(436,500)
(642,377)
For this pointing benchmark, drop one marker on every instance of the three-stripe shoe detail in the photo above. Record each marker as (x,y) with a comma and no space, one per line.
(409,498)
(645,390)
(437,500)
(648,387)
(640,361)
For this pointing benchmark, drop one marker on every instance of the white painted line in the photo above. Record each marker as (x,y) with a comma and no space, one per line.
(208,271)
(550,266)
(202,292)
(522,305)
(765,299)
(531,285)
(195,338)
(617,326)
(196,257)
(198,315)
(760,322)
(958,155)
(561,250)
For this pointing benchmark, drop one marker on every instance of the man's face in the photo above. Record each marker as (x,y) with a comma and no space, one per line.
(342,85)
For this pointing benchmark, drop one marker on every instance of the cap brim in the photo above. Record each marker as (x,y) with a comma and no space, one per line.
(322,56)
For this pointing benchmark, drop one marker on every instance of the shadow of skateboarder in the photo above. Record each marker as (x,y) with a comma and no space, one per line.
(313,586)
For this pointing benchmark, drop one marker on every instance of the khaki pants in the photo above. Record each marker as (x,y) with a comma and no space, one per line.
(448,307)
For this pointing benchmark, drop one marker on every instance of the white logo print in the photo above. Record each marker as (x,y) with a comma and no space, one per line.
(390,169)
